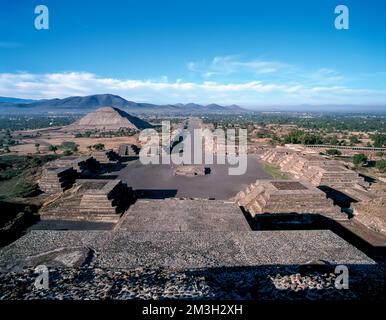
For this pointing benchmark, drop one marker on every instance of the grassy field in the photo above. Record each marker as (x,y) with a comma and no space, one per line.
(275,172)
(18,175)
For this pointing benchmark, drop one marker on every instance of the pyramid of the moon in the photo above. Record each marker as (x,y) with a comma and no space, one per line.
(109,118)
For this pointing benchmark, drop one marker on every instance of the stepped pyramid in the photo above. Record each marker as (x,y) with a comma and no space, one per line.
(106,156)
(90,200)
(286,196)
(109,119)
(55,180)
(316,169)
(80,164)
(112,198)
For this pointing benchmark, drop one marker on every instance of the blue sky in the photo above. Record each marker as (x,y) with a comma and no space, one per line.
(246,52)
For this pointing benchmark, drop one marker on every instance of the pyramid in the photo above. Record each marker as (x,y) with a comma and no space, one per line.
(109,119)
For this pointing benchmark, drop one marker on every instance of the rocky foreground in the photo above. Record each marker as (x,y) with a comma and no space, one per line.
(267,283)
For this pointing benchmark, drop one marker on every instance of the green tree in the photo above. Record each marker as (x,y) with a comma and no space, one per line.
(37,146)
(70,145)
(354,139)
(379,140)
(381,165)
(99,146)
(359,159)
(53,148)
(333,152)
(333,140)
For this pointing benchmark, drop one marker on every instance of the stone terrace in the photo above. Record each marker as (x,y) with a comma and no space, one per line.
(314,168)
(284,196)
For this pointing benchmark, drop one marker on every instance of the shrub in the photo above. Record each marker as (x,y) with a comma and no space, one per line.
(69,145)
(99,146)
(53,148)
(333,152)
(381,165)
(359,159)
(67,152)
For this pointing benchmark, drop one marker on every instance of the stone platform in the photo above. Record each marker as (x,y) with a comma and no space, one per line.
(189,170)
(183,215)
(179,250)
(286,197)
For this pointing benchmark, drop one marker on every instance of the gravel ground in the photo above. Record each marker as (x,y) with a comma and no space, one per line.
(263,283)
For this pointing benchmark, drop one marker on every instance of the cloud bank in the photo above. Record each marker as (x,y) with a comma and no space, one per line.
(321,86)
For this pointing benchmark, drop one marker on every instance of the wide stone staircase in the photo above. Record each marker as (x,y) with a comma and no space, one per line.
(113,198)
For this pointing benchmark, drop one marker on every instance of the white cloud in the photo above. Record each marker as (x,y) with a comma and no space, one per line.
(59,85)
(231,64)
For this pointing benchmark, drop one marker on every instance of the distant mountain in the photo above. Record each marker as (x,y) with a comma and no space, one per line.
(324,108)
(90,103)
(15,100)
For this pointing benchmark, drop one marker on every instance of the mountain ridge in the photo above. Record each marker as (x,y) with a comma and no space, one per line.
(84,104)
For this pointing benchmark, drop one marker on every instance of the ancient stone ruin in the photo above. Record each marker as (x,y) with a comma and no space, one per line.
(316,169)
(112,198)
(106,156)
(82,165)
(176,215)
(372,213)
(108,119)
(54,180)
(90,200)
(190,170)
(285,197)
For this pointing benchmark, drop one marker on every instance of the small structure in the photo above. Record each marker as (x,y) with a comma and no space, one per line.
(96,200)
(80,164)
(56,180)
(286,197)
(106,156)
(190,170)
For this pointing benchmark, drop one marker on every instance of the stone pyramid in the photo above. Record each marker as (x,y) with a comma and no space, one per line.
(109,119)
